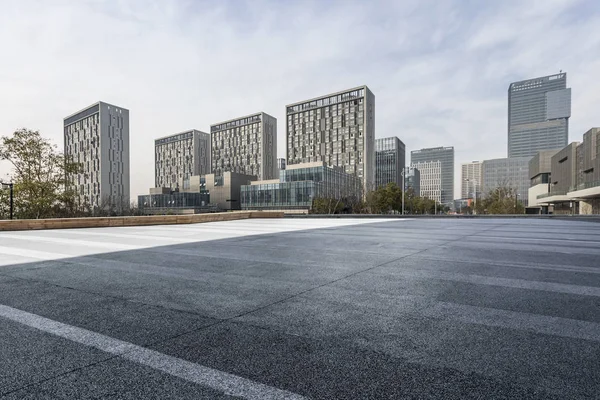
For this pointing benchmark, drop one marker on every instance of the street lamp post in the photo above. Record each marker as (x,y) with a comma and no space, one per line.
(403,188)
(11,202)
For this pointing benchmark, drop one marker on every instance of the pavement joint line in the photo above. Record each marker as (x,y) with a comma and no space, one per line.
(221,381)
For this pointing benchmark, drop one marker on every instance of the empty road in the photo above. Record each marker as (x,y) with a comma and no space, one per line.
(303,309)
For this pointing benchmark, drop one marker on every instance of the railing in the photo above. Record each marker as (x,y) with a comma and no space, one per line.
(585,185)
(555,193)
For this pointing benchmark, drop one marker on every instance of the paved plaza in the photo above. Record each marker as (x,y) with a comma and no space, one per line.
(303,308)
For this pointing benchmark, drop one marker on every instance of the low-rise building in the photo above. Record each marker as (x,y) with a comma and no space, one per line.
(166,201)
(509,173)
(539,175)
(299,185)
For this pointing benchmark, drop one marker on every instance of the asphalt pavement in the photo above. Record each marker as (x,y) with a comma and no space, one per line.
(303,308)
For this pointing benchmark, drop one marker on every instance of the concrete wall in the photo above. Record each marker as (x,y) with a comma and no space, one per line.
(64,223)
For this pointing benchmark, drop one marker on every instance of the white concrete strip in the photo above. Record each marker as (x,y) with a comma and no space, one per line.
(224,382)
(555,326)
(70,242)
(32,254)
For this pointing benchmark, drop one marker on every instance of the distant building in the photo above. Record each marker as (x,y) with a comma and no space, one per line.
(390,160)
(445,155)
(337,129)
(538,115)
(470,182)
(246,145)
(507,172)
(166,201)
(413,181)
(539,180)
(280,163)
(97,137)
(299,185)
(430,179)
(180,156)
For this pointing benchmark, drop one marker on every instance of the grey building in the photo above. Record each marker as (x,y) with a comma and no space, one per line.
(538,115)
(413,181)
(180,156)
(167,201)
(97,137)
(445,155)
(338,129)
(246,145)
(539,180)
(507,172)
(280,163)
(390,160)
(299,185)
(225,189)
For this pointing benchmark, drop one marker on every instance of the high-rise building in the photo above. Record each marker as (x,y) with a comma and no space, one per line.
(445,155)
(538,115)
(507,172)
(390,160)
(180,156)
(338,129)
(97,138)
(430,179)
(413,181)
(470,179)
(245,145)
(280,163)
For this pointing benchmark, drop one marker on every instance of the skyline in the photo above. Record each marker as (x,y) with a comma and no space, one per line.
(178,66)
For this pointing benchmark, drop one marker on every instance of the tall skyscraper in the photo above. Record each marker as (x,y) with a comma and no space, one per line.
(338,129)
(470,181)
(445,155)
(538,115)
(245,145)
(430,179)
(97,137)
(179,156)
(390,158)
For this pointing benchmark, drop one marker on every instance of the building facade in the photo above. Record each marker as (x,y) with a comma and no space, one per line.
(390,160)
(470,182)
(430,179)
(299,185)
(246,145)
(413,181)
(539,179)
(97,138)
(507,172)
(175,202)
(180,156)
(337,129)
(538,115)
(445,155)
(225,189)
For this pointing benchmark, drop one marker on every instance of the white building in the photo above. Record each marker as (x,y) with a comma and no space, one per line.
(179,156)
(246,145)
(470,179)
(430,179)
(97,138)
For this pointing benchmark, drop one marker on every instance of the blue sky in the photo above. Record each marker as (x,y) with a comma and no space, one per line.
(440,70)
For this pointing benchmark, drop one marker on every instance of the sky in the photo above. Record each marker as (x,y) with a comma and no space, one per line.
(439,69)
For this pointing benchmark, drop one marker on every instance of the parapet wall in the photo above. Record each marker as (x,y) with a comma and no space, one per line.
(100,222)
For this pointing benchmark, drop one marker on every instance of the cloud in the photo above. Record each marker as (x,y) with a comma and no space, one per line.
(439,69)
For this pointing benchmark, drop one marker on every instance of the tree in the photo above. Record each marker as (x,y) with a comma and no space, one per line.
(501,200)
(324,205)
(39,175)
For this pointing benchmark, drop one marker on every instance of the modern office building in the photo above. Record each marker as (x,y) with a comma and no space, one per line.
(338,129)
(299,185)
(225,189)
(180,156)
(445,155)
(430,179)
(470,182)
(97,137)
(539,180)
(390,160)
(166,201)
(413,181)
(280,163)
(507,172)
(246,145)
(538,115)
